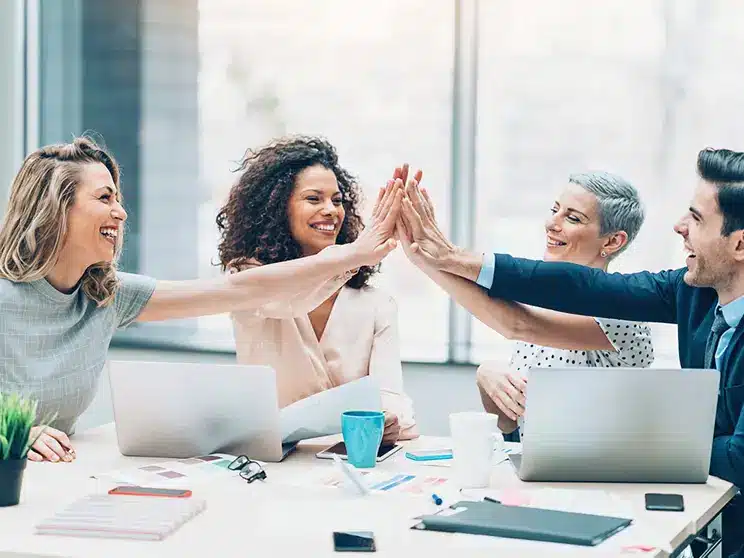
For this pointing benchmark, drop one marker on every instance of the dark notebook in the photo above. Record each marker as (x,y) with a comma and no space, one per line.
(516,522)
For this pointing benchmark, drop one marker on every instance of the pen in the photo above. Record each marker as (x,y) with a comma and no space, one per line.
(492,500)
(437,499)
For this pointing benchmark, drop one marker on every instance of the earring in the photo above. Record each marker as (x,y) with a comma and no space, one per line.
(603,254)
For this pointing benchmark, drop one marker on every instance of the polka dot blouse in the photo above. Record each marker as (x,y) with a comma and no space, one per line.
(631,340)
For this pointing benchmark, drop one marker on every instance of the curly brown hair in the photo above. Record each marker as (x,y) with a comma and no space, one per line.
(254,223)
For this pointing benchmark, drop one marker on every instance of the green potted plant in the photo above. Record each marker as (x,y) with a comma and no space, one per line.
(17,417)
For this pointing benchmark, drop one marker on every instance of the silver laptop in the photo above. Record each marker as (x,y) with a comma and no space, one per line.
(618,425)
(178,409)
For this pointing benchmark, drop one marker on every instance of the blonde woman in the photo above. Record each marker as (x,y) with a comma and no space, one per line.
(61,297)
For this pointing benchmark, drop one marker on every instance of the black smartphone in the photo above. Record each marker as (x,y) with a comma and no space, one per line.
(665,502)
(354,541)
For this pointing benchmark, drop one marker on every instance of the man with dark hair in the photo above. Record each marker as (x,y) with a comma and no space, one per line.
(705,299)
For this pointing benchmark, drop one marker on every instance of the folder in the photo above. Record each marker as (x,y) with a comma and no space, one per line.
(517,522)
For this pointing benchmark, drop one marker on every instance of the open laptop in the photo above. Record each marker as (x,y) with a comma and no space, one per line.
(178,410)
(618,425)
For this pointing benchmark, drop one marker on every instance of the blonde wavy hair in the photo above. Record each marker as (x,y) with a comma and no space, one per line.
(33,230)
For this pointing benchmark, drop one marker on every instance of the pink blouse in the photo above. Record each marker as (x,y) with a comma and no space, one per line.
(360,339)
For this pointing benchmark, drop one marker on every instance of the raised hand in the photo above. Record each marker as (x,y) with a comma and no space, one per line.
(377,239)
(428,245)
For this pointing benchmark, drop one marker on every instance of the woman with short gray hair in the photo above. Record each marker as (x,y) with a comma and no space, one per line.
(594,219)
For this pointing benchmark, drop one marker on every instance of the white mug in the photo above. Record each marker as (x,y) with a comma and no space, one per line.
(473,436)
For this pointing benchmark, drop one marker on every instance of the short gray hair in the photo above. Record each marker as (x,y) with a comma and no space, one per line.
(620,207)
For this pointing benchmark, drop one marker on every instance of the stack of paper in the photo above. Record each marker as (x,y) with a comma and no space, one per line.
(123,517)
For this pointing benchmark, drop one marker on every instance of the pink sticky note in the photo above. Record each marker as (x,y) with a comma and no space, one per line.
(512,497)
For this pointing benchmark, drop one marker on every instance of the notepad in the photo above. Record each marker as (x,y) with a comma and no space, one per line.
(122,517)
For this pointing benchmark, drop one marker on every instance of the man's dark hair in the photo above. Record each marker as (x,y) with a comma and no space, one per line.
(725,169)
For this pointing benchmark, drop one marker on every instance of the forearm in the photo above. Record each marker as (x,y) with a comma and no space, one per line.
(506,425)
(249,289)
(506,318)
(578,289)
(462,263)
(521,323)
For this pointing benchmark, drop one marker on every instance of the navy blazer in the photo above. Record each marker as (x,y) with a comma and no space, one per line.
(650,297)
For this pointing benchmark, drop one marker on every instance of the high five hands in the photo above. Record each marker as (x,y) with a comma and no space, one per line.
(417,230)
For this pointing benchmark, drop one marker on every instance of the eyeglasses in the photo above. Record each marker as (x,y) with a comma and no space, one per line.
(249,470)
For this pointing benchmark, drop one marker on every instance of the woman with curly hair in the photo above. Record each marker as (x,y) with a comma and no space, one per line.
(293,200)
(62,298)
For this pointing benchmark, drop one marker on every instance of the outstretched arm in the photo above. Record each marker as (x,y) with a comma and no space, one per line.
(564,287)
(280,281)
(301,302)
(512,320)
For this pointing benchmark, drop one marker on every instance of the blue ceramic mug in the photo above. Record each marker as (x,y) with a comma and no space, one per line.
(362,432)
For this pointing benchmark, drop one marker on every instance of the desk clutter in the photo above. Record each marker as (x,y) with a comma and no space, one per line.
(122,517)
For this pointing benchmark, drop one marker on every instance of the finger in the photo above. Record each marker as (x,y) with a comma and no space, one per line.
(390,188)
(34,456)
(46,452)
(418,175)
(60,436)
(397,173)
(506,404)
(417,199)
(428,203)
(404,173)
(56,447)
(388,199)
(390,217)
(517,389)
(512,390)
(413,219)
(378,202)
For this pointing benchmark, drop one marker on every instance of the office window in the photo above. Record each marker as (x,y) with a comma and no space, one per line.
(632,87)
(12,75)
(373,78)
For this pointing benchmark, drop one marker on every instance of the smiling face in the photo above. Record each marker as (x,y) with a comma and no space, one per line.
(95,221)
(573,229)
(315,209)
(711,258)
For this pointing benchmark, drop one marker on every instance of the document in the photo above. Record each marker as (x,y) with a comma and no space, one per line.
(378,480)
(177,473)
(320,414)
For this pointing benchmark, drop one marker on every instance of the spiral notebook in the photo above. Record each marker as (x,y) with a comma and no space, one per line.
(122,517)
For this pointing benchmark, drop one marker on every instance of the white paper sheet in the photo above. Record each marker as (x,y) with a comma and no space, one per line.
(320,414)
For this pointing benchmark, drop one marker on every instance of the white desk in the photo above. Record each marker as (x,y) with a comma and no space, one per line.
(275,517)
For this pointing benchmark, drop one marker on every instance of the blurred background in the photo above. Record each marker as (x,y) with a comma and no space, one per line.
(498,101)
